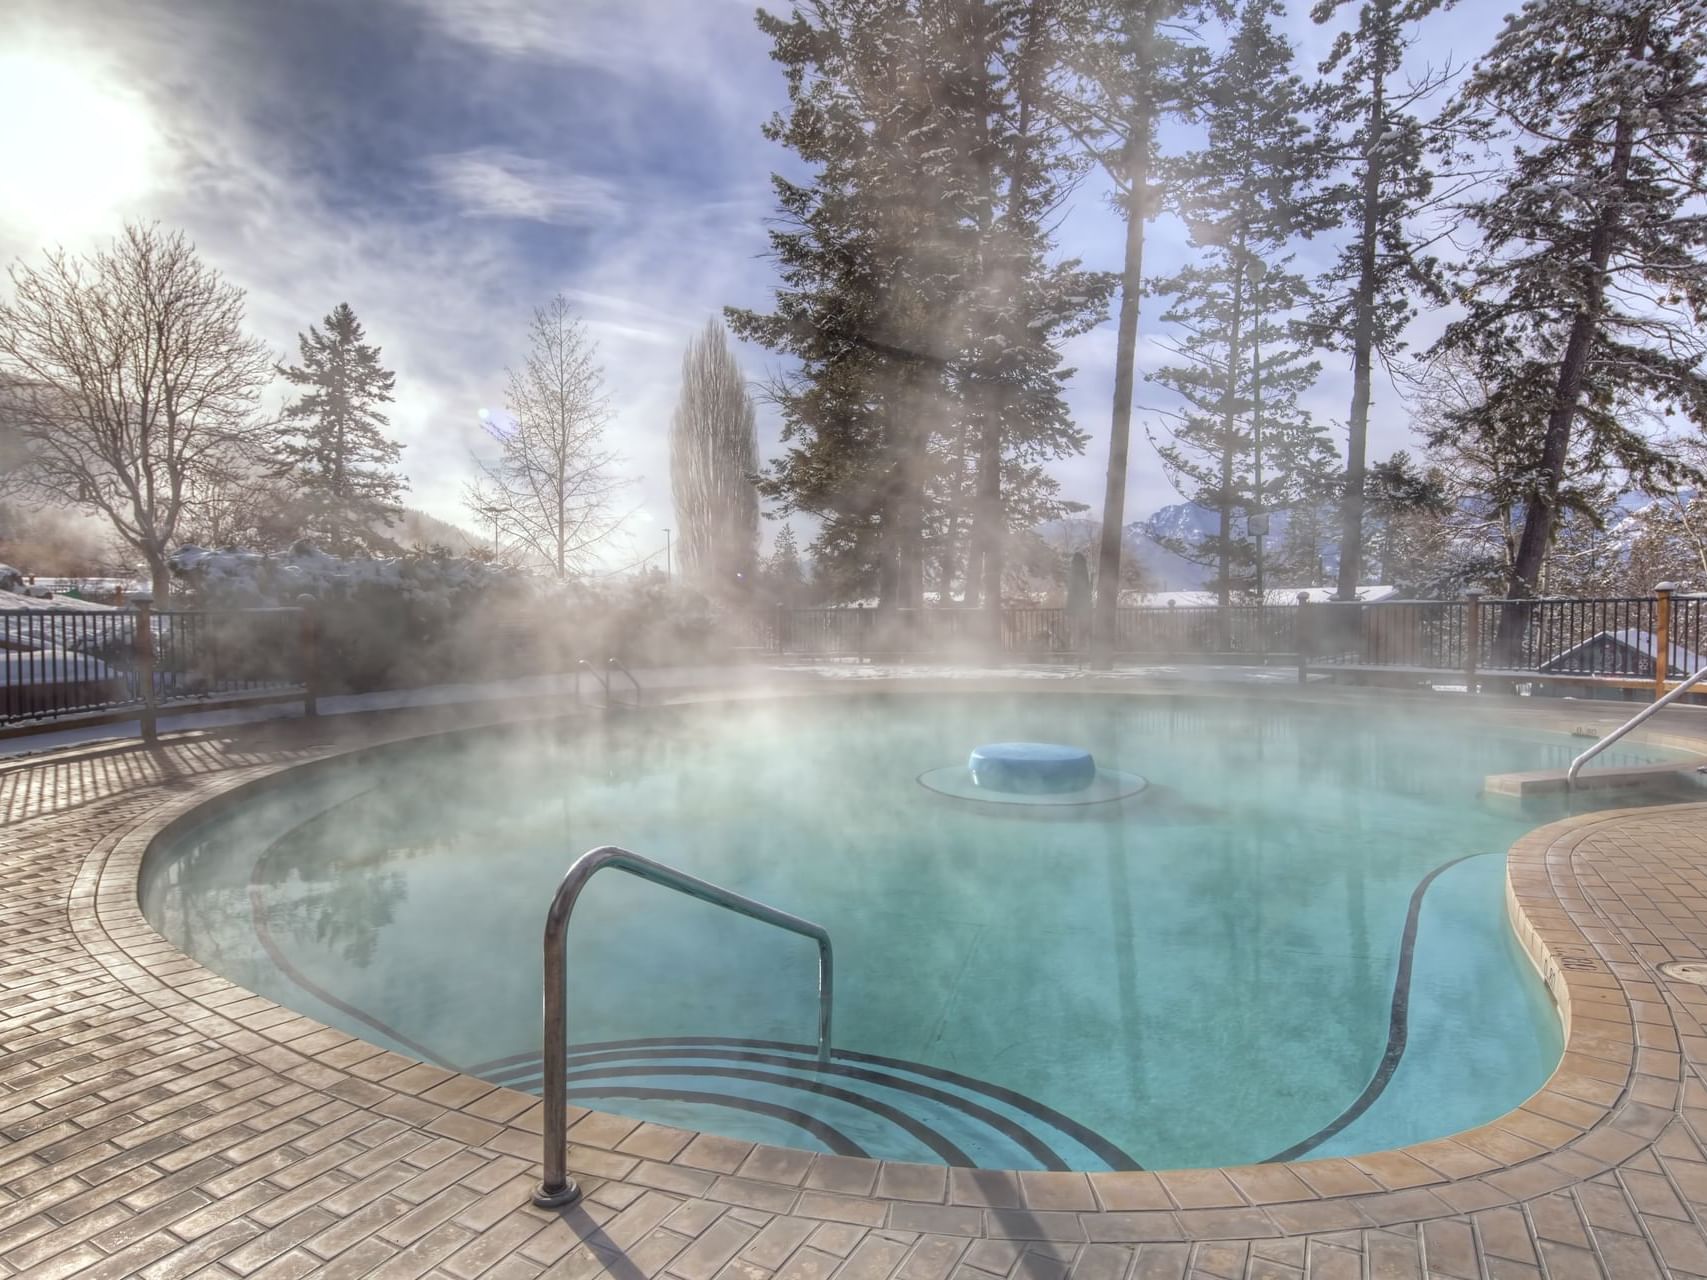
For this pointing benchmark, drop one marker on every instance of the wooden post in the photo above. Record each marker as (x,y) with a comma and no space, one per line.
(1662,636)
(310,646)
(1302,635)
(1472,639)
(144,643)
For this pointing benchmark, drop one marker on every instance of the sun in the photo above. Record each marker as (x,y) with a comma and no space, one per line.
(74,149)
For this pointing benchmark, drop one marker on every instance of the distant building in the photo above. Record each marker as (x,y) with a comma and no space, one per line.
(1626,652)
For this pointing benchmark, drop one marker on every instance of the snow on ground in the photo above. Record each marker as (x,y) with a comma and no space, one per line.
(70,604)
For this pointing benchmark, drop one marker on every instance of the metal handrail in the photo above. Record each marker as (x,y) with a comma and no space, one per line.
(1653,708)
(599,678)
(611,664)
(556,1187)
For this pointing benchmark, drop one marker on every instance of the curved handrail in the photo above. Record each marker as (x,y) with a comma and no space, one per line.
(1653,708)
(599,678)
(556,1187)
(611,664)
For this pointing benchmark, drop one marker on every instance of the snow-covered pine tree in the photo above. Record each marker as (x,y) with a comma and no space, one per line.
(1369,294)
(331,443)
(1241,445)
(1590,289)
(1134,65)
(714,457)
(1477,410)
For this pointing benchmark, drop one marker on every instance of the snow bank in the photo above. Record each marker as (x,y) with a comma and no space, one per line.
(253,578)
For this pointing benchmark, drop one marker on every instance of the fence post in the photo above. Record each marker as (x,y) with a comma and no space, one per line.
(1302,635)
(144,644)
(310,644)
(1662,636)
(1472,639)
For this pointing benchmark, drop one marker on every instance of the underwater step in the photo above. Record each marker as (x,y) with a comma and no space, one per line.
(859,1104)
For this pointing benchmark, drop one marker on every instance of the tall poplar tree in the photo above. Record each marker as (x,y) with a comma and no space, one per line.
(1242,445)
(1588,298)
(331,443)
(1369,293)
(714,459)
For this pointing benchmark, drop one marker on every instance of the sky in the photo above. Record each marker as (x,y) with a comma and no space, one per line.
(445,166)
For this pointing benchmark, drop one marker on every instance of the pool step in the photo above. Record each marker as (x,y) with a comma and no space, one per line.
(1540,782)
(860,1104)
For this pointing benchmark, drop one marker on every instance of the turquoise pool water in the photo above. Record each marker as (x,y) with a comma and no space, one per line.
(1208,974)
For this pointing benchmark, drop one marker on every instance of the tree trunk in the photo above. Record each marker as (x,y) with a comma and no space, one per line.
(1229,420)
(1541,511)
(160,578)
(1363,342)
(1136,158)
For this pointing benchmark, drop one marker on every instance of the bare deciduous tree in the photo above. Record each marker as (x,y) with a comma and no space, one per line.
(550,494)
(714,456)
(233,502)
(128,371)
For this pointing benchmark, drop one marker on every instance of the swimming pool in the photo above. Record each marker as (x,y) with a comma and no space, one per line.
(1293,943)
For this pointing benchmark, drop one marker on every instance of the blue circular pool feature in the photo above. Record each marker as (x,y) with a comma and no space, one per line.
(1031,768)
(1034,777)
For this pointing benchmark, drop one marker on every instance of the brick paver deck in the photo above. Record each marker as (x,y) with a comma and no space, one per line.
(157,1121)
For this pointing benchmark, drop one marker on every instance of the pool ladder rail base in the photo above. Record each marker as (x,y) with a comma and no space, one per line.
(1652,709)
(557,1189)
(603,679)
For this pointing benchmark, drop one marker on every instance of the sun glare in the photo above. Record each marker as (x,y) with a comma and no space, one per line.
(73,151)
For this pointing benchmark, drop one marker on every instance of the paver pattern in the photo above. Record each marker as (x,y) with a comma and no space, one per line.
(157,1121)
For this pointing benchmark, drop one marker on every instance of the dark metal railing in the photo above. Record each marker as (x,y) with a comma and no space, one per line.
(1616,638)
(1612,636)
(1035,631)
(57,662)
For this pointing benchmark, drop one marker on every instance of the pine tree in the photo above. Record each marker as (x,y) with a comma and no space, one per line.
(784,574)
(1011,378)
(1588,294)
(1135,65)
(1369,294)
(331,443)
(915,291)
(1241,445)
(1408,534)
(714,458)
(867,255)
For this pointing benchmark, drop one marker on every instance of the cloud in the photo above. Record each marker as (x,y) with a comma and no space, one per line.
(493,182)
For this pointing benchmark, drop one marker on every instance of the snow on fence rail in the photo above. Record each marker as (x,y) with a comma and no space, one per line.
(56,662)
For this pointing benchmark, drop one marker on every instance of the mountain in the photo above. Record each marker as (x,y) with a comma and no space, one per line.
(1161,568)
(418,529)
